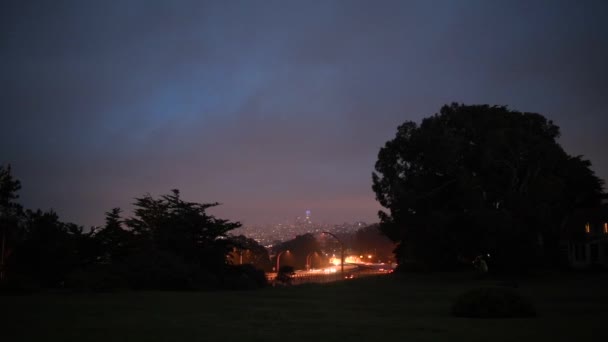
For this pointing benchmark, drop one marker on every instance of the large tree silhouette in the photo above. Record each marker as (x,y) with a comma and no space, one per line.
(182,228)
(11,214)
(475,179)
(177,243)
(112,242)
(50,249)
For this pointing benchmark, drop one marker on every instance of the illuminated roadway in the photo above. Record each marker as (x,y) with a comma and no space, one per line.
(332,273)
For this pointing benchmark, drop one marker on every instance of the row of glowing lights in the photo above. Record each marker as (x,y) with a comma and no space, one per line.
(349,259)
(588,228)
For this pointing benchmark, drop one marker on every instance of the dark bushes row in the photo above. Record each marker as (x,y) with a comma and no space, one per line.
(154,271)
(493,302)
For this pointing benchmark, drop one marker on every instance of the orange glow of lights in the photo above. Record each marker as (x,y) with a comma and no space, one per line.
(330,270)
(335,261)
(369,256)
(351,259)
(587,228)
(605,227)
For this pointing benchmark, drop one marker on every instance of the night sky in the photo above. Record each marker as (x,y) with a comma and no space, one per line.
(273,107)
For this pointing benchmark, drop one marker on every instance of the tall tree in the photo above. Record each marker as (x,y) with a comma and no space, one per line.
(113,241)
(475,179)
(50,249)
(10,216)
(182,228)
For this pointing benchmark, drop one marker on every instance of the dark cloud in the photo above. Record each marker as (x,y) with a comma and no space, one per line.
(272,107)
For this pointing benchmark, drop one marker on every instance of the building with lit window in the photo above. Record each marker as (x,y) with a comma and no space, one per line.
(585,241)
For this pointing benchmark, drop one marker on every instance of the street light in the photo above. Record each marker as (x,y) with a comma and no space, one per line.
(279,258)
(309,260)
(341,250)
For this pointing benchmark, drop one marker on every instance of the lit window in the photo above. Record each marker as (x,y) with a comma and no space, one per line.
(587,228)
(605,227)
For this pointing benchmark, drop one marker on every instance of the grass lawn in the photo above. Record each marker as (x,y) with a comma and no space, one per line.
(571,307)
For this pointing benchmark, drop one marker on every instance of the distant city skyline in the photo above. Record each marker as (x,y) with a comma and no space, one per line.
(269,233)
(303,219)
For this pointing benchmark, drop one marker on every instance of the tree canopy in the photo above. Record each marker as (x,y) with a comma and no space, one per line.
(479,179)
(11,213)
(182,228)
(168,243)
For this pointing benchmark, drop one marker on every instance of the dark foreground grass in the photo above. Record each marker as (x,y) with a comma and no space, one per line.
(399,308)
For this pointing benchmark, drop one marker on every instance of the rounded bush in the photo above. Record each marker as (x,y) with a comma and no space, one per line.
(493,302)
(413,267)
(243,277)
(19,284)
(98,278)
(157,270)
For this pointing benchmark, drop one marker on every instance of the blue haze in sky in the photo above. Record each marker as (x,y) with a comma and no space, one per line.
(273,107)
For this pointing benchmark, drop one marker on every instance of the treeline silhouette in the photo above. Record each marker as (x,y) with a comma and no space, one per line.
(168,244)
(468,181)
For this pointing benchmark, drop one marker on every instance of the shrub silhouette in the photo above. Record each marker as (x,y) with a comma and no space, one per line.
(493,302)
(285,275)
(243,277)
